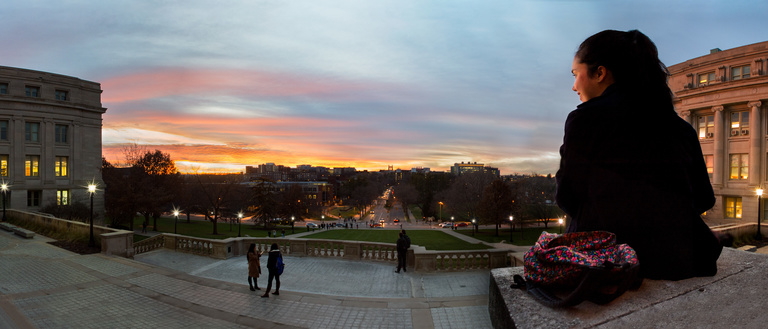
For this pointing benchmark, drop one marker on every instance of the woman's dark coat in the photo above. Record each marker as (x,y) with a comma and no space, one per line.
(630,165)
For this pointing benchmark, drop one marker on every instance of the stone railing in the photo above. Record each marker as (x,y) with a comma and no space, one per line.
(147,245)
(418,258)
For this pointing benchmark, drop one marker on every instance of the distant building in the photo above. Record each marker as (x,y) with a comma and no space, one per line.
(315,193)
(724,96)
(278,173)
(342,171)
(459,169)
(50,139)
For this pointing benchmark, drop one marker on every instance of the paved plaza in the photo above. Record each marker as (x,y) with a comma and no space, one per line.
(43,286)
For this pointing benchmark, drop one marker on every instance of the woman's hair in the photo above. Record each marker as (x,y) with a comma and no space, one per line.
(631,57)
(273,247)
(252,248)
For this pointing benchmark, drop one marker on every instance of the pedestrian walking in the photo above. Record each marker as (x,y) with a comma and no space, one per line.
(254,266)
(274,254)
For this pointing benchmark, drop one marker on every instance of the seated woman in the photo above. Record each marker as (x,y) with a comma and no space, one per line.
(630,165)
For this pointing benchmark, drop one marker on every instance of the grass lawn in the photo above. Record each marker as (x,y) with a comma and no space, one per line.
(204,229)
(528,237)
(343,211)
(416,211)
(430,239)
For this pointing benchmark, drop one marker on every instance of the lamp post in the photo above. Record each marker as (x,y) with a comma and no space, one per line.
(176,220)
(293,220)
(453,225)
(239,223)
(92,191)
(759,192)
(4,188)
(560,221)
(511,227)
(441,211)
(473,227)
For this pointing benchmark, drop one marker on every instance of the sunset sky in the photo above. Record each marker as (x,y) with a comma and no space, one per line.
(365,84)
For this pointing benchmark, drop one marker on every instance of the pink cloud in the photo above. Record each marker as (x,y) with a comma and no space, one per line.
(181,81)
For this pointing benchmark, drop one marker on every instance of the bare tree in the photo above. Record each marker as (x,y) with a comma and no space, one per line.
(496,204)
(465,193)
(220,193)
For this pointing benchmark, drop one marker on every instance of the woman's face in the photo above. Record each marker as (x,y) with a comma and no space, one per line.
(585,85)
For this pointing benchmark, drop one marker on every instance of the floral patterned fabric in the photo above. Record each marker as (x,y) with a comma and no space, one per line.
(559,259)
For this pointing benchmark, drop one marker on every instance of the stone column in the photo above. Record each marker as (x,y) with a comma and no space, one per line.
(686,115)
(719,156)
(755,143)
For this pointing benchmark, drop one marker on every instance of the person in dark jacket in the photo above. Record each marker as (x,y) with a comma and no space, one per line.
(402,252)
(274,253)
(630,165)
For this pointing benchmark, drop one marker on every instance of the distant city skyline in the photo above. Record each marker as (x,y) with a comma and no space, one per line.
(347,83)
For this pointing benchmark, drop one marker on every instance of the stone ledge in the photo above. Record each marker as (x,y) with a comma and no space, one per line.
(734,298)
(7,226)
(22,232)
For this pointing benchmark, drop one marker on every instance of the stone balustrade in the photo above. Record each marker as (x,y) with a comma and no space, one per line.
(418,258)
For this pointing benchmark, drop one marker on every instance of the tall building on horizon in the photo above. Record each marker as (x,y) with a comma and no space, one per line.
(462,168)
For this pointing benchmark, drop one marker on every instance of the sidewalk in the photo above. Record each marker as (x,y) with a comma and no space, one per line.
(42,286)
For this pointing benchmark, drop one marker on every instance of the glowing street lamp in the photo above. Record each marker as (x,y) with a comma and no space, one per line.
(511,227)
(560,221)
(4,188)
(175,219)
(441,211)
(239,223)
(759,192)
(473,227)
(293,220)
(92,191)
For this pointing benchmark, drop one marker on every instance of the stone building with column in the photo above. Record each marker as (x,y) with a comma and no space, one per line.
(724,96)
(50,139)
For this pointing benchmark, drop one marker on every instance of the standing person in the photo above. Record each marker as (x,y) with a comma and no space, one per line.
(402,252)
(407,239)
(630,165)
(254,266)
(274,253)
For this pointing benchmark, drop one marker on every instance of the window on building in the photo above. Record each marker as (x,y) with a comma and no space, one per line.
(739,166)
(740,123)
(61,95)
(4,165)
(706,126)
(740,72)
(33,198)
(32,166)
(4,88)
(706,78)
(732,207)
(31,91)
(61,133)
(32,131)
(3,130)
(710,161)
(61,166)
(62,197)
